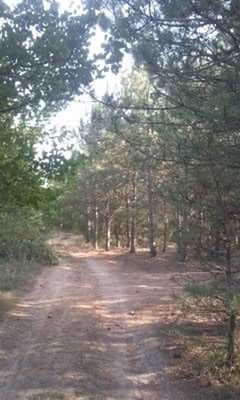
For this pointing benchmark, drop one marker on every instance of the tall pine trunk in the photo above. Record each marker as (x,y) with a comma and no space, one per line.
(108,233)
(133,235)
(95,236)
(89,225)
(165,227)
(151,222)
(232,312)
(107,226)
(231,350)
(117,234)
(127,223)
(181,239)
(133,217)
(182,218)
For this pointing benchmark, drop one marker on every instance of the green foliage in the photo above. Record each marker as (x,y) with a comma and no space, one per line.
(43,56)
(190,51)
(23,247)
(14,275)
(232,299)
(197,290)
(44,63)
(20,176)
(216,359)
(22,237)
(220,392)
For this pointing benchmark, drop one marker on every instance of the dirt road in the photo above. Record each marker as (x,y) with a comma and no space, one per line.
(90,329)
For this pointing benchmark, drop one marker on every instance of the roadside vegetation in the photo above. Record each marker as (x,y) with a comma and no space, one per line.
(23,248)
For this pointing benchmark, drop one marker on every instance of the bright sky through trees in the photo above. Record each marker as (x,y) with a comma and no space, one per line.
(80,108)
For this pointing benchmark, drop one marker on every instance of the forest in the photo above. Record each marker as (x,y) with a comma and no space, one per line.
(153,170)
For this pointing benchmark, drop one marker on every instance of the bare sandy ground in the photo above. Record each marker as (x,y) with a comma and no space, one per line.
(90,329)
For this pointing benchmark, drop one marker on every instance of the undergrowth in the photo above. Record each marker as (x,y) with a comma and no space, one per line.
(23,248)
(202,329)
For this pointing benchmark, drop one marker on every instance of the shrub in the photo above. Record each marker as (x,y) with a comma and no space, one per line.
(22,247)
(196,290)
(22,237)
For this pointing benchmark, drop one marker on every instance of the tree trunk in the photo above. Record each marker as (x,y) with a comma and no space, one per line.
(133,235)
(217,244)
(127,223)
(116,234)
(237,236)
(231,340)
(228,264)
(232,317)
(165,227)
(133,218)
(181,242)
(88,235)
(95,238)
(199,248)
(108,233)
(151,222)
(183,219)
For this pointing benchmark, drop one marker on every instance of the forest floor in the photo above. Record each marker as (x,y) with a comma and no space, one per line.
(100,327)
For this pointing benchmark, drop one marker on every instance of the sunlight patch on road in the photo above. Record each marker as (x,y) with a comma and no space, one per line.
(18,314)
(145,378)
(82,306)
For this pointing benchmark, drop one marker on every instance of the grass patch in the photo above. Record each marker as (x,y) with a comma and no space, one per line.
(222,392)
(47,396)
(201,329)
(7,302)
(16,271)
(196,290)
(15,274)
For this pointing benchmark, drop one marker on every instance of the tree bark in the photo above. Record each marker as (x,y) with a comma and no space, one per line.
(89,226)
(165,227)
(88,233)
(95,238)
(232,316)
(151,222)
(133,218)
(127,223)
(237,236)
(108,233)
(116,234)
(181,242)
(228,235)
(133,235)
(228,264)
(182,216)
(231,339)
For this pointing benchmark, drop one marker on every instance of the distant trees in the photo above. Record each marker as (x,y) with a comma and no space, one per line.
(175,127)
(119,187)
(190,50)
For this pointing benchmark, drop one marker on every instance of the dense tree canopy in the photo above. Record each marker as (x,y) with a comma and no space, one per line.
(44,55)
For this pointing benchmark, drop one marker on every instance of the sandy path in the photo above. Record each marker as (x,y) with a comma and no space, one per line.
(89,329)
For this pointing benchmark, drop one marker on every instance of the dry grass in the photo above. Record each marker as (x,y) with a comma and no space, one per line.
(198,336)
(48,396)
(7,301)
